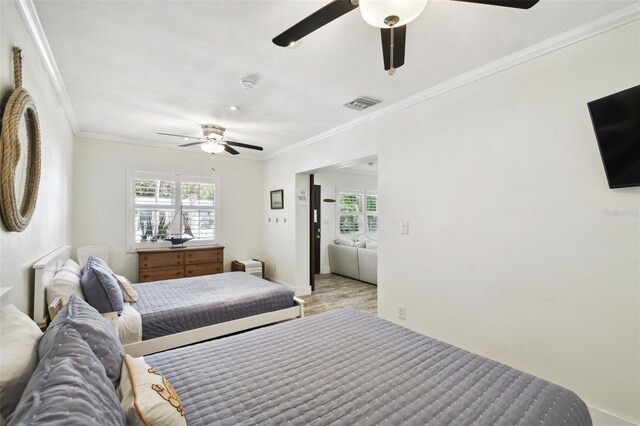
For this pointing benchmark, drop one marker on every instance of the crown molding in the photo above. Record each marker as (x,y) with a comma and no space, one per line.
(34,27)
(606,23)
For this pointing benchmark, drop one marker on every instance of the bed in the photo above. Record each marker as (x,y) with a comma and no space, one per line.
(179,312)
(340,367)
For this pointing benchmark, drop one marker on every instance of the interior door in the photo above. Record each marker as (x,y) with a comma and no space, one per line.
(317,236)
(312,237)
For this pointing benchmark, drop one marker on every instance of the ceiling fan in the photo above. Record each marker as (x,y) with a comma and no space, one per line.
(212,140)
(391,16)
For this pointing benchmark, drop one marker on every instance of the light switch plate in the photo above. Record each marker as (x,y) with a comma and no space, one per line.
(404,227)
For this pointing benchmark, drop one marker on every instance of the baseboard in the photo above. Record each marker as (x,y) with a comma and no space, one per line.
(602,418)
(298,291)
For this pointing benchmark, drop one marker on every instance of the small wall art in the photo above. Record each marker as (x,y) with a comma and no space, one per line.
(277,199)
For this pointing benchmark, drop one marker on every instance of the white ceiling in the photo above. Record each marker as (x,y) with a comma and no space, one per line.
(133,68)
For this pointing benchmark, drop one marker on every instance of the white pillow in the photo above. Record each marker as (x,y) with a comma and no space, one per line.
(146,397)
(71,266)
(371,244)
(129,294)
(343,242)
(19,337)
(64,284)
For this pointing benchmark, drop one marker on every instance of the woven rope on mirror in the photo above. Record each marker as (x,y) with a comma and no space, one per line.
(20,112)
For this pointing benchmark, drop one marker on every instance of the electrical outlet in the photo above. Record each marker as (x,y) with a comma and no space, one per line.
(402,312)
(275,267)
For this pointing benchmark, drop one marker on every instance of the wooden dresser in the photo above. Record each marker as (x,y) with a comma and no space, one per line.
(167,263)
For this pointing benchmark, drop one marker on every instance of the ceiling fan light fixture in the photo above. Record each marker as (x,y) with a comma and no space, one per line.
(212,148)
(377,12)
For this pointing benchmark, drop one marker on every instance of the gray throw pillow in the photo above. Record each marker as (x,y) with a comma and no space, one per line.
(68,387)
(96,261)
(94,329)
(100,287)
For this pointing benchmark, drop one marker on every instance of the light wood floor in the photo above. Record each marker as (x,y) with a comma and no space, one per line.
(335,291)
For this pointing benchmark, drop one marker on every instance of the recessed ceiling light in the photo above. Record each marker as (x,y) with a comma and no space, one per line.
(234,107)
(292,44)
(186,139)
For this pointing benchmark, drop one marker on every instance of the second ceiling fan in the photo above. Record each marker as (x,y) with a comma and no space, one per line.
(212,140)
(391,16)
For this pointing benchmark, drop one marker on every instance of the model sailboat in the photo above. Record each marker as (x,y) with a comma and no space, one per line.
(179,231)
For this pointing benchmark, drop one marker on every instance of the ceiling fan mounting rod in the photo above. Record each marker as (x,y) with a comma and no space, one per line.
(391,21)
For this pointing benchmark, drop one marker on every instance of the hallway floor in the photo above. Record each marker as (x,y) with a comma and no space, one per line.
(334,292)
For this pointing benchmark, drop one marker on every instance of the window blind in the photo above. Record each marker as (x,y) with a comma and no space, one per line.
(199,206)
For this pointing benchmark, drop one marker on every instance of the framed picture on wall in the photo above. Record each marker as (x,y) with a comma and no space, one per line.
(277,199)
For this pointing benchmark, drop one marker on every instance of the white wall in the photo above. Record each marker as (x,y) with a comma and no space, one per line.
(101,190)
(51,223)
(511,252)
(330,182)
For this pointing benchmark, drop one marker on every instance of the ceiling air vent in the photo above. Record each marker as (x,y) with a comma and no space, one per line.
(360,104)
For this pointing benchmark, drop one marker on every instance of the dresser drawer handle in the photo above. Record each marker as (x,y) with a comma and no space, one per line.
(145,276)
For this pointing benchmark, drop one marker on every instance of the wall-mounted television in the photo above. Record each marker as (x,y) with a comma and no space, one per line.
(616,121)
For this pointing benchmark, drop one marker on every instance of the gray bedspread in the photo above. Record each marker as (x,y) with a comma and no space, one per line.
(348,367)
(172,306)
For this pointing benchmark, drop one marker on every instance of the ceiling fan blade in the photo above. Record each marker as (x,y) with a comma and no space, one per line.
(393,40)
(322,17)
(518,4)
(178,136)
(230,150)
(190,144)
(244,145)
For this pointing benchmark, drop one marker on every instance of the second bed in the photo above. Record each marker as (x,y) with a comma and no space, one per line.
(178,312)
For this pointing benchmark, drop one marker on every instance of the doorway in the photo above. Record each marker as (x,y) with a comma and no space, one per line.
(343,204)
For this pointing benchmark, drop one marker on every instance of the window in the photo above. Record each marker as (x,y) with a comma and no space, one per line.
(357,212)
(157,197)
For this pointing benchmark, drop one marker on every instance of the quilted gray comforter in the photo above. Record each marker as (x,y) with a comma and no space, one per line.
(348,367)
(172,306)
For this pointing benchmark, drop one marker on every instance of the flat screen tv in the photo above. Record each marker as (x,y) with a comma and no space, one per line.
(616,121)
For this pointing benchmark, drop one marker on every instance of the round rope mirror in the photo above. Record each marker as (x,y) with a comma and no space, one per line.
(20,167)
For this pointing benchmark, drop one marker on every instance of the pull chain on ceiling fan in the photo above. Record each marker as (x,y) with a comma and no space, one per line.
(391,16)
(212,140)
